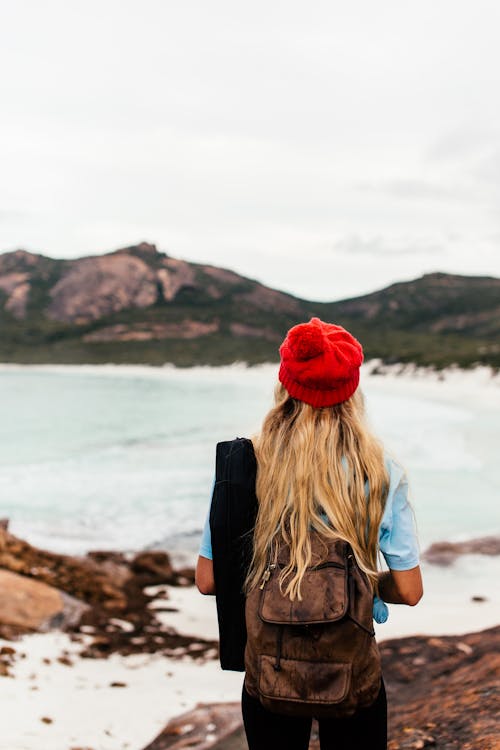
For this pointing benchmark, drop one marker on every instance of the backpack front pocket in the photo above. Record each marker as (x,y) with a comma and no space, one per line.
(324,597)
(304,681)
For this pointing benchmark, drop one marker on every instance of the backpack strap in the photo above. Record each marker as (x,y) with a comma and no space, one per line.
(232,519)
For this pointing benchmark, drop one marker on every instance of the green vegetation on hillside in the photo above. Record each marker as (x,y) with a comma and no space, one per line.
(436,320)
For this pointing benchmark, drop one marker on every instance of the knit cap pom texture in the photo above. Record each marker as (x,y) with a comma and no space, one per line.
(320,363)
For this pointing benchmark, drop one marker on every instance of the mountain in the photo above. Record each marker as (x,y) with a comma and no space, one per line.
(438,319)
(138,304)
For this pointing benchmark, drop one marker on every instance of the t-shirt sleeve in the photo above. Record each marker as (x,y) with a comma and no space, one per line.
(206,539)
(398,537)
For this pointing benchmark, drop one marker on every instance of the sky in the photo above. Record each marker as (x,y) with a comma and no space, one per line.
(324,148)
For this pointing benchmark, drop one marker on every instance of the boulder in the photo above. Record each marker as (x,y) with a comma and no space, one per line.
(113,563)
(81,577)
(103,594)
(153,566)
(223,721)
(445,553)
(31,605)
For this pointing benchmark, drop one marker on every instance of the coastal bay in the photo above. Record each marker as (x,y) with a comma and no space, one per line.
(113,466)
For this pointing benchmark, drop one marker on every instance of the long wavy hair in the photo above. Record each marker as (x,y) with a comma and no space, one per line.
(311,463)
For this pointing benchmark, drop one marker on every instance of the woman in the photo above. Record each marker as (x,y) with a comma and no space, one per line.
(321,474)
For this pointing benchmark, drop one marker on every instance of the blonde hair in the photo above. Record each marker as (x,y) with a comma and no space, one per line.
(313,461)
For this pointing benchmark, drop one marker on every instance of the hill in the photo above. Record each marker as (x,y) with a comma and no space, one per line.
(138,304)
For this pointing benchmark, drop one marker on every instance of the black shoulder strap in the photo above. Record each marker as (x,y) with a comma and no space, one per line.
(232,518)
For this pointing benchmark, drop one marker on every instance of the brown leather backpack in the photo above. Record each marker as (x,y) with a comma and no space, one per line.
(318,656)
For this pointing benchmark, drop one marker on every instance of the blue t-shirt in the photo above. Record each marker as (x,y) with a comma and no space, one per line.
(397,536)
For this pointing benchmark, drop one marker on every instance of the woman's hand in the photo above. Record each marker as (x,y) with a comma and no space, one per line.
(204,576)
(401,586)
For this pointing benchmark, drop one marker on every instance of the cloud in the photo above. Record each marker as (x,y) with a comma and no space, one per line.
(461,145)
(383,246)
(13,214)
(487,168)
(418,189)
(249,137)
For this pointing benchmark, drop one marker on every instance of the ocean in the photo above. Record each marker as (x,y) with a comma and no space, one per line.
(122,457)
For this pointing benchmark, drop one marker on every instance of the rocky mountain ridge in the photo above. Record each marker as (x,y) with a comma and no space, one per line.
(137,304)
(139,276)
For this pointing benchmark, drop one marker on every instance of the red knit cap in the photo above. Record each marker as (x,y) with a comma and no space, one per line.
(320,363)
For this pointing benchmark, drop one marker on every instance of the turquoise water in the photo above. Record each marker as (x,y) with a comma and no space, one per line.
(122,457)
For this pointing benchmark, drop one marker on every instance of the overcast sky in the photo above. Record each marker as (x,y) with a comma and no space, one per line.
(325,148)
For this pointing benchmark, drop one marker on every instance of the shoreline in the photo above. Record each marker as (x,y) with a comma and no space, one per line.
(388,390)
(458,446)
(375,366)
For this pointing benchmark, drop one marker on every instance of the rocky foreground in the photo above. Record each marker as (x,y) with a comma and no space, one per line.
(102,594)
(442,691)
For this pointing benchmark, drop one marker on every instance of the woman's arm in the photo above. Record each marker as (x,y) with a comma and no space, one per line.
(204,576)
(401,586)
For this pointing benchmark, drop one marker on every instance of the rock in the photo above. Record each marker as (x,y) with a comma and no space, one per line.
(186,329)
(442,693)
(449,700)
(175,275)
(115,564)
(268,299)
(96,286)
(7,651)
(104,595)
(153,566)
(7,658)
(81,577)
(190,729)
(17,287)
(445,553)
(65,660)
(33,605)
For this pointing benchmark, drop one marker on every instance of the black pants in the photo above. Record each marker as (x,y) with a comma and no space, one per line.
(365,730)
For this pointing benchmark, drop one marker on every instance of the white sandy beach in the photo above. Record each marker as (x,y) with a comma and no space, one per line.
(88,713)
